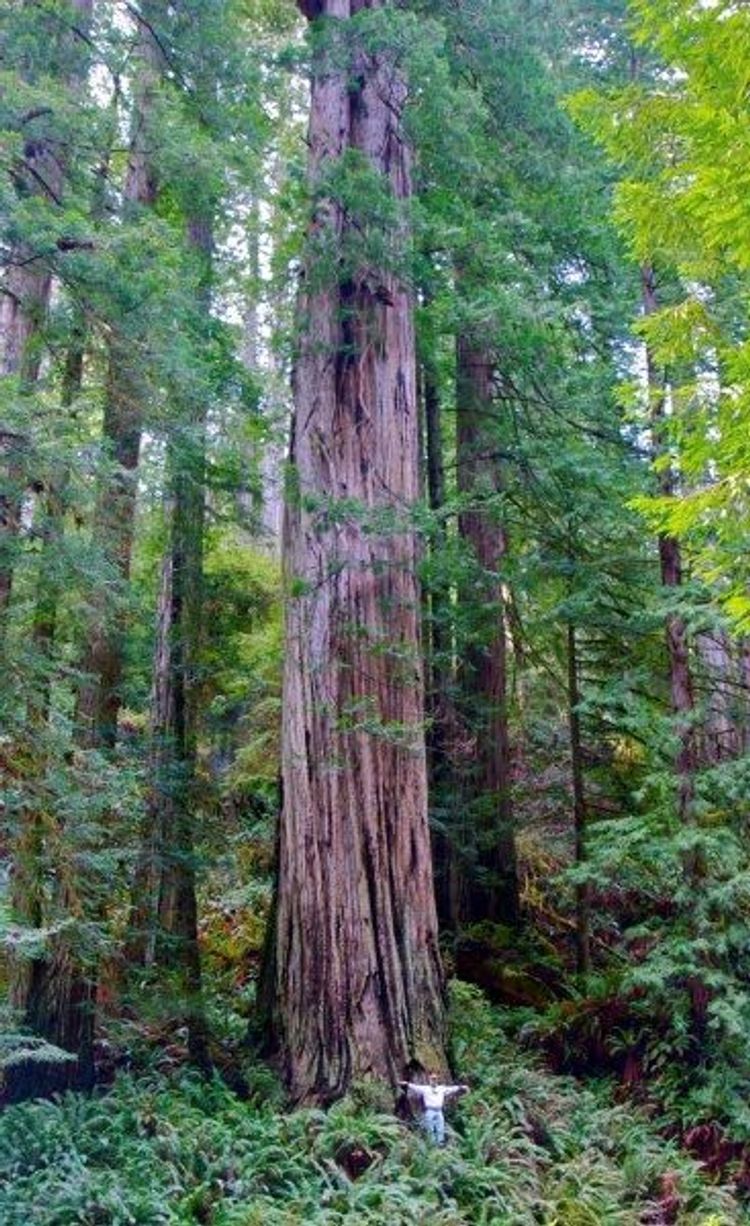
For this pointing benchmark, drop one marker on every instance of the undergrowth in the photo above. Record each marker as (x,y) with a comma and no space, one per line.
(525,1147)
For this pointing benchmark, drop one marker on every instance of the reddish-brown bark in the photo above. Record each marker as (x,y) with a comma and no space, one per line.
(357,987)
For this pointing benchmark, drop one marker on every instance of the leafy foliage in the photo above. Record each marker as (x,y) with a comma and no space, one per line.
(524,1146)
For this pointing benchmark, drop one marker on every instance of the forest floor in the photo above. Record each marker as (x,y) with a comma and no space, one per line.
(526,1146)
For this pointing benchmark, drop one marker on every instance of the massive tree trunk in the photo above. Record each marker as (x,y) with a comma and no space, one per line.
(490,890)
(670,559)
(100,698)
(357,986)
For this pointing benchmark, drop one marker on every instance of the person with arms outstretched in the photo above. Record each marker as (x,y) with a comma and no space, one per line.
(433,1097)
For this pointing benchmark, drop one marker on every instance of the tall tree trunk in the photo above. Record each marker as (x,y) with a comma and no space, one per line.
(491,889)
(44,626)
(164,919)
(357,984)
(100,698)
(439,703)
(51,509)
(670,559)
(12,446)
(583,892)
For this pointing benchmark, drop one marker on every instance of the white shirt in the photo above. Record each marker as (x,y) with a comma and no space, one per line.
(433,1097)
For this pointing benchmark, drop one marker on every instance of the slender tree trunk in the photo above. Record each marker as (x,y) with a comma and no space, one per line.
(12,447)
(44,626)
(583,892)
(164,920)
(100,698)
(439,701)
(357,984)
(52,511)
(670,558)
(490,892)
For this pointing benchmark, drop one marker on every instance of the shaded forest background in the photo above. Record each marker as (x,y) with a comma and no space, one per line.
(573,249)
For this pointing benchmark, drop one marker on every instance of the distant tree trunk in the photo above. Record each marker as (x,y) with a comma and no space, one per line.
(356,981)
(51,511)
(678,650)
(491,891)
(50,530)
(743,668)
(724,721)
(100,698)
(439,675)
(12,447)
(76,351)
(583,892)
(164,920)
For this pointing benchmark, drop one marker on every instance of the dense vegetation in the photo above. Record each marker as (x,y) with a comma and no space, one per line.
(458,291)
(528,1147)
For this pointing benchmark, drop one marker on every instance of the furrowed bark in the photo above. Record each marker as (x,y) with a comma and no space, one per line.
(357,985)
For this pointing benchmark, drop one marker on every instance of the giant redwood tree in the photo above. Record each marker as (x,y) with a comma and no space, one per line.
(356,977)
